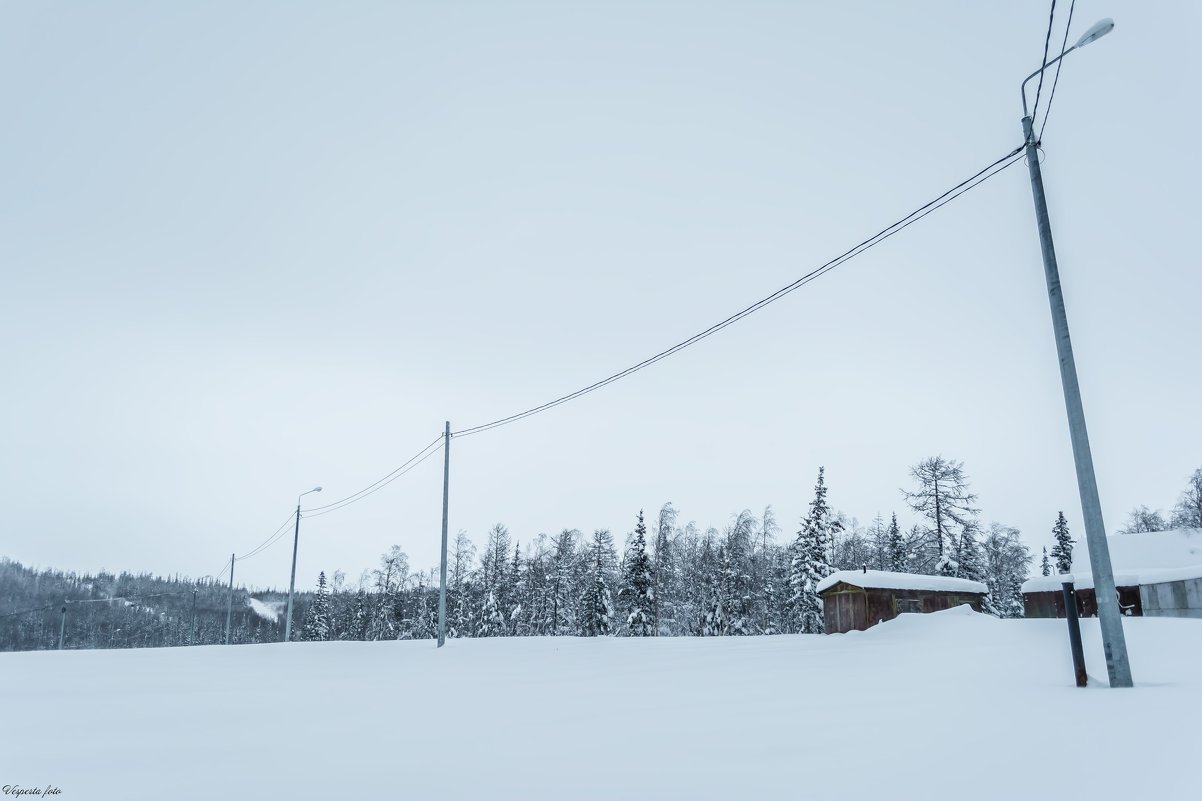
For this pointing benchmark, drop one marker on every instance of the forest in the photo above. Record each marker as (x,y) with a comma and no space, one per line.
(666,578)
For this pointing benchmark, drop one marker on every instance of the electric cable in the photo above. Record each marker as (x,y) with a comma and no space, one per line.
(325,510)
(370,488)
(1056,79)
(972,181)
(1043,64)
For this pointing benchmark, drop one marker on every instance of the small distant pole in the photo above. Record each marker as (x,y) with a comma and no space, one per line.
(229,609)
(62,627)
(442,582)
(1074,632)
(192,640)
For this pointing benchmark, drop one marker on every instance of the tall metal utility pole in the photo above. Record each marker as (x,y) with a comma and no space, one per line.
(62,627)
(292,581)
(442,584)
(229,608)
(1114,644)
(192,640)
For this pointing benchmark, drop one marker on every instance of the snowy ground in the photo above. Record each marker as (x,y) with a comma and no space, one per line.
(947,706)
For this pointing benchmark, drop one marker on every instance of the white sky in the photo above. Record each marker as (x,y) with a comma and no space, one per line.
(248,249)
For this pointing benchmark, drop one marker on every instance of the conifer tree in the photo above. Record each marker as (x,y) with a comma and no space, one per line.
(1062,551)
(895,544)
(1045,567)
(637,588)
(599,607)
(317,625)
(809,560)
(492,622)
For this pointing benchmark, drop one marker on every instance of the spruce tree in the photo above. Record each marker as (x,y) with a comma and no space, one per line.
(637,589)
(1045,567)
(317,623)
(895,545)
(492,622)
(809,560)
(599,607)
(1062,551)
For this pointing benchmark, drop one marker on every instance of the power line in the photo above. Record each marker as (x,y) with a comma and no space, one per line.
(1047,41)
(28,611)
(370,488)
(267,543)
(379,485)
(977,178)
(1052,95)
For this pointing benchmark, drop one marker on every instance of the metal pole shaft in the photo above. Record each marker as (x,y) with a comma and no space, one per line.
(1113,642)
(1074,633)
(229,609)
(292,581)
(442,570)
(62,627)
(192,640)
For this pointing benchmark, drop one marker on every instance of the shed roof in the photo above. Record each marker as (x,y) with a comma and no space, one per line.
(1149,558)
(886,580)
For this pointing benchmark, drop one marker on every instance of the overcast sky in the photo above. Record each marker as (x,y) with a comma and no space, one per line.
(251,248)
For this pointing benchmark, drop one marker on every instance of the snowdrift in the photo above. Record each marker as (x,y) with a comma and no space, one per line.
(952,705)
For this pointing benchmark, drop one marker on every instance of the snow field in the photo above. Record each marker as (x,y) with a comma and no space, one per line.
(952,705)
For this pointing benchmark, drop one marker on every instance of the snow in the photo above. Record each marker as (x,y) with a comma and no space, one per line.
(266,611)
(1148,558)
(883,579)
(950,705)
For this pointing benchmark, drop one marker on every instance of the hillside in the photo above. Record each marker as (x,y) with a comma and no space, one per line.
(952,705)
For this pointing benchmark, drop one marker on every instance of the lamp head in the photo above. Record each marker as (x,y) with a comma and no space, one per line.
(1099,29)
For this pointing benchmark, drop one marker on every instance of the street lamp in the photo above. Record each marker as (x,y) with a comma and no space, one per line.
(1113,642)
(292,582)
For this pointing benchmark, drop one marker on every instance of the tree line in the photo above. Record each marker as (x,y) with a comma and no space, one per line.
(666,577)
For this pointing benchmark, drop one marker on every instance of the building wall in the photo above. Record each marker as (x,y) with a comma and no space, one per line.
(1173,598)
(847,608)
(1051,603)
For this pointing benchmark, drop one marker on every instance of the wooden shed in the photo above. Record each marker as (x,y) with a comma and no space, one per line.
(853,600)
(1156,574)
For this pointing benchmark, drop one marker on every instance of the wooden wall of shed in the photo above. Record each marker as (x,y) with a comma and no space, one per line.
(842,605)
(1051,603)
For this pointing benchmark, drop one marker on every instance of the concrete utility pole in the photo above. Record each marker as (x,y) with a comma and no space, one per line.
(62,627)
(442,583)
(229,609)
(292,582)
(1113,642)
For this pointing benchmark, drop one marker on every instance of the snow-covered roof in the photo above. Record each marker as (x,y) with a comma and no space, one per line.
(1150,558)
(885,580)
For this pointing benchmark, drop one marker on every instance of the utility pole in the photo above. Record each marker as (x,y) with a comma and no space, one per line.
(192,641)
(229,609)
(292,581)
(1114,644)
(442,583)
(62,627)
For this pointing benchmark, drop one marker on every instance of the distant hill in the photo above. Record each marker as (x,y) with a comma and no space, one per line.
(129,610)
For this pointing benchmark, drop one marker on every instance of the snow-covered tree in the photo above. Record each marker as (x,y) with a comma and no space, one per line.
(1143,520)
(1062,551)
(809,560)
(943,498)
(492,621)
(598,603)
(317,623)
(1045,567)
(1005,566)
(896,558)
(637,591)
(1188,511)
